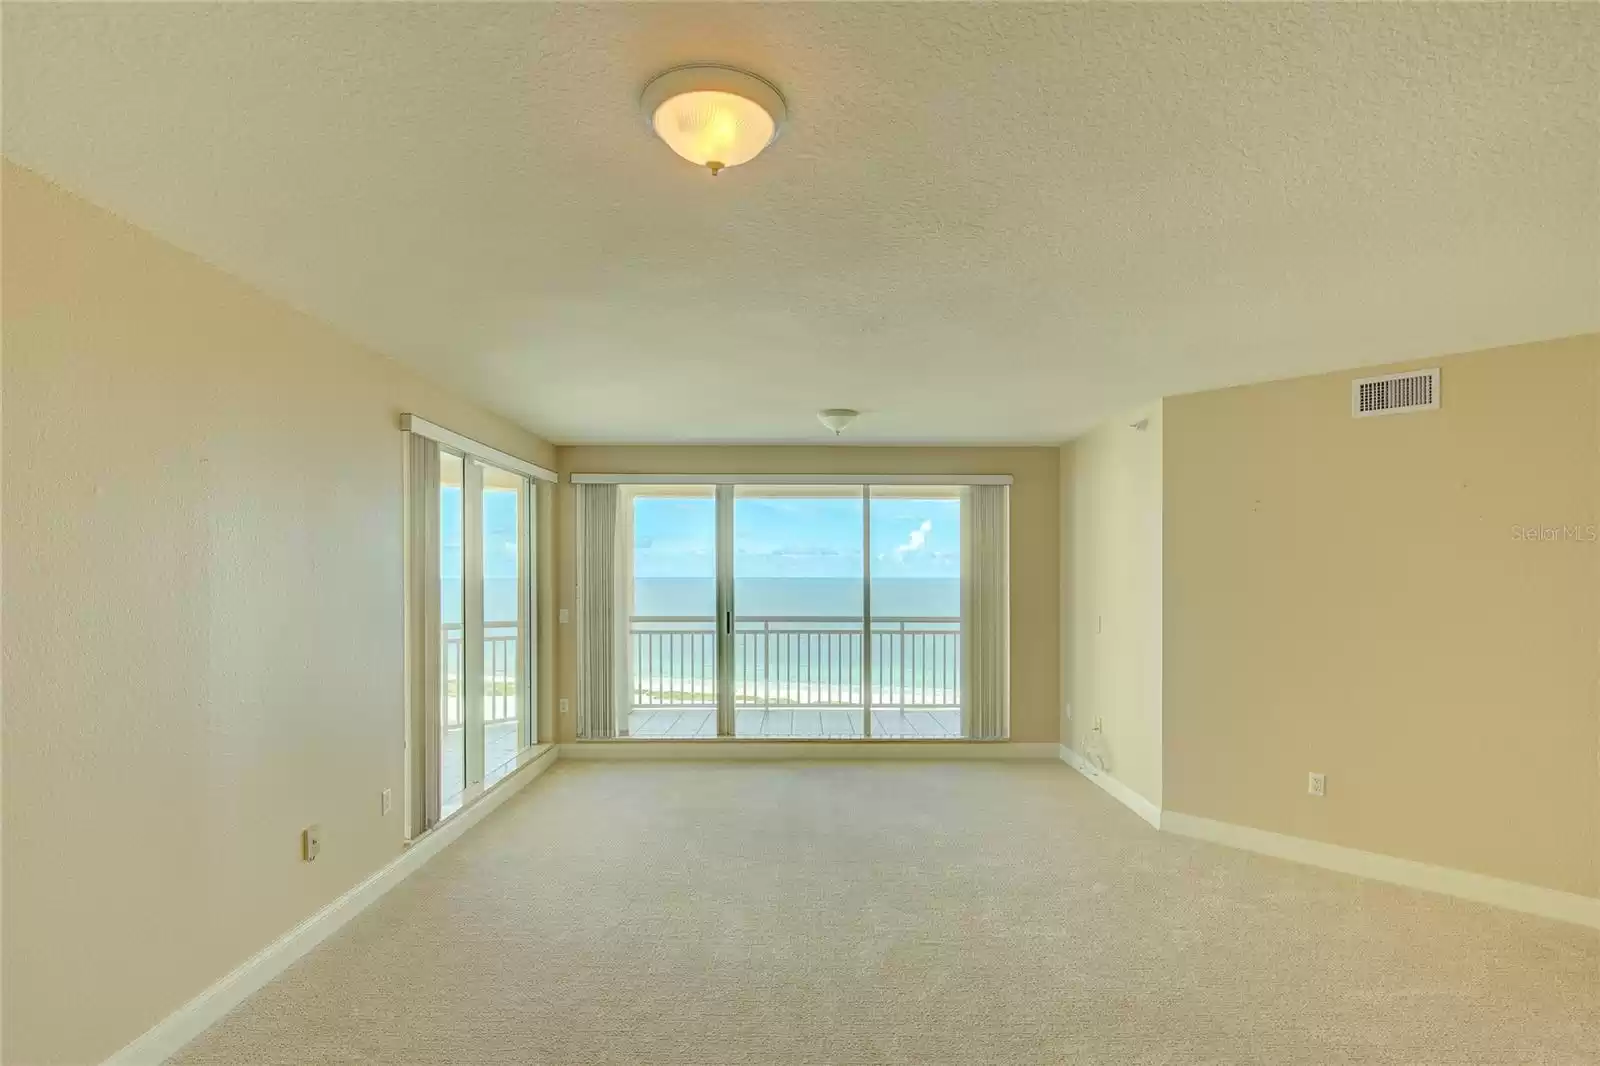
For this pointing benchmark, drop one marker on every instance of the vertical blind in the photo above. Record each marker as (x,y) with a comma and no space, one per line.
(424,686)
(986,613)
(597,610)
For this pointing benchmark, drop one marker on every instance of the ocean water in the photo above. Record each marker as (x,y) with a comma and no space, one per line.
(761,597)
(783,663)
(799,597)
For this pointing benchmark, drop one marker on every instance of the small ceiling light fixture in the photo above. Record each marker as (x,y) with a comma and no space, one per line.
(837,419)
(715,117)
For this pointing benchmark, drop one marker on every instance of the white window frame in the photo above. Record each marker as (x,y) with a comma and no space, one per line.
(791,479)
(475,455)
(726,610)
(462,445)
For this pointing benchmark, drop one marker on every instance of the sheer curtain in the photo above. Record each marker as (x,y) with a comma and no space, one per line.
(986,621)
(424,685)
(598,619)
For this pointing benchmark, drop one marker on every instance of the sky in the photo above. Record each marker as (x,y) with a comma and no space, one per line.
(799,538)
(499,532)
(499,554)
(774,537)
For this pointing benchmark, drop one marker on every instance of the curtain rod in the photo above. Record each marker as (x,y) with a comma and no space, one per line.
(478,450)
(790,479)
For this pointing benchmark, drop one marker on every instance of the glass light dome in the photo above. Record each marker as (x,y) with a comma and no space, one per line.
(712,129)
(714,117)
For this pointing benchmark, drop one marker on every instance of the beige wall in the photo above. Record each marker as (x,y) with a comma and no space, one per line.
(201,619)
(1348,596)
(1034,537)
(1111,597)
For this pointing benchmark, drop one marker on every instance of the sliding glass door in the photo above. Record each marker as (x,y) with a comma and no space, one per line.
(471,630)
(507,512)
(669,578)
(452,590)
(486,622)
(916,612)
(793,611)
(799,582)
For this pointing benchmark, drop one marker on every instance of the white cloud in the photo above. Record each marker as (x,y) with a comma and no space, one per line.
(916,540)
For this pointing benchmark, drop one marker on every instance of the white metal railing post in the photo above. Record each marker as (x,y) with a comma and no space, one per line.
(902,640)
(814,673)
(500,655)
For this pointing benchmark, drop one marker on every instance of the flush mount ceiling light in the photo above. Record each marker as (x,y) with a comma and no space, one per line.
(837,419)
(715,117)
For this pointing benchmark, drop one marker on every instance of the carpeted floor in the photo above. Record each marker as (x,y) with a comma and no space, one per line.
(979,914)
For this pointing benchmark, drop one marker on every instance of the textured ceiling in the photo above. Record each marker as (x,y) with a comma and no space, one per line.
(984,223)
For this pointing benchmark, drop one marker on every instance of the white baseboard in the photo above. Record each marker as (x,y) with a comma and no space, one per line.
(1114,788)
(1463,884)
(737,750)
(170,1035)
(1480,888)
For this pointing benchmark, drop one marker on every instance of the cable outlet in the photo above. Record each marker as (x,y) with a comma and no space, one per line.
(1317,784)
(310,843)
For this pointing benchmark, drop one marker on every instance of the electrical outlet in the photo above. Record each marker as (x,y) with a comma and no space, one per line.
(310,843)
(1317,785)
(564,706)
(564,615)
(1069,712)
(1099,725)
(386,801)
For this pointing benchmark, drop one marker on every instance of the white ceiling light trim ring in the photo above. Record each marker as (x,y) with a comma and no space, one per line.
(715,117)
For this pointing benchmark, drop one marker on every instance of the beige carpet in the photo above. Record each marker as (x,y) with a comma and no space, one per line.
(902,913)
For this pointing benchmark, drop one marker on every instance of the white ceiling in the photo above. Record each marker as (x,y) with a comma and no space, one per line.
(984,223)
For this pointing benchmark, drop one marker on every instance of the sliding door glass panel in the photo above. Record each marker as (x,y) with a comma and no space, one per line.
(528,595)
(504,508)
(798,590)
(916,612)
(452,746)
(672,611)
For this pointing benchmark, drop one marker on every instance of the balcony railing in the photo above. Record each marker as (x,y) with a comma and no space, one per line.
(499,672)
(794,662)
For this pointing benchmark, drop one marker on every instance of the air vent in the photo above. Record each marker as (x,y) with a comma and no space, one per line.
(1393,394)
